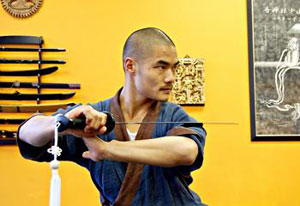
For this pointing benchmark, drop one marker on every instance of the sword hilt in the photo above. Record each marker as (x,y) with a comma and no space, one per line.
(80,123)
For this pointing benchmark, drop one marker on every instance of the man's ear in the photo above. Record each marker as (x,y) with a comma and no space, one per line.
(130,65)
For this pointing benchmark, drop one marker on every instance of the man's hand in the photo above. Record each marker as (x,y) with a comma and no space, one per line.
(95,121)
(96,147)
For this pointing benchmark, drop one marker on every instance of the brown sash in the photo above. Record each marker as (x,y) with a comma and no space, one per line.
(134,170)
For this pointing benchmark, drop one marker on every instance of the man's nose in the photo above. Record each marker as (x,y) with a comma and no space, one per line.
(170,77)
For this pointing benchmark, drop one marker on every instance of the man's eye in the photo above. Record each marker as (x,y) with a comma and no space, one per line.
(161,67)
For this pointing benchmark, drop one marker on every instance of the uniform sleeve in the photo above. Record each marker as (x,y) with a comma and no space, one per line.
(196,132)
(27,150)
(72,147)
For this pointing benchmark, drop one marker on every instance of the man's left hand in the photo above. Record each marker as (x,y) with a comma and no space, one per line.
(96,148)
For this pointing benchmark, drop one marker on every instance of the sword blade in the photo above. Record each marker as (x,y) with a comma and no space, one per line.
(122,123)
(32,49)
(187,123)
(37,85)
(35,72)
(7,134)
(11,121)
(27,61)
(26,96)
(34,108)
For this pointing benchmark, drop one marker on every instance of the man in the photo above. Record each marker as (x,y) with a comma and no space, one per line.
(155,168)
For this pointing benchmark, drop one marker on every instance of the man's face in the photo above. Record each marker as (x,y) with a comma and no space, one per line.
(155,73)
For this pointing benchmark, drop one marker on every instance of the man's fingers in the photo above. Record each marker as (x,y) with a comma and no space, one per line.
(81,133)
(86,155)
(96,124)
(91,155)
(89,129)
(77,111)
(95,120)
(102,130)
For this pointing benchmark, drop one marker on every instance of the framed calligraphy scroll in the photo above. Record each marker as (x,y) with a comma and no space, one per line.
(274,35)
(188,88)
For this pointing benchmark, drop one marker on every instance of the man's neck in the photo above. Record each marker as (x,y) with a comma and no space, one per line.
(134,106)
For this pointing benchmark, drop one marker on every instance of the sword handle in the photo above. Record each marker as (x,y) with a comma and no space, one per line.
(79,123)
(66,123)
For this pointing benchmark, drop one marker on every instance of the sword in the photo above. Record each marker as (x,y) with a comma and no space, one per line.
(79,123)
(21,40)
(8,137)
(49,96)
(34,72)
(17,84)
(11,121)
(124,123)
(26,61)
(7,134)
(19,121)
(8,49)
(34,108)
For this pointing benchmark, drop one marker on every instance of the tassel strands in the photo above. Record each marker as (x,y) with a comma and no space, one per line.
(55,187)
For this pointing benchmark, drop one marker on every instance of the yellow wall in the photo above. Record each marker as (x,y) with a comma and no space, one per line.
(236,171)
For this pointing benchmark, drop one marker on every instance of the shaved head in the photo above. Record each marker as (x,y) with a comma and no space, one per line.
(140,43)
(149,60)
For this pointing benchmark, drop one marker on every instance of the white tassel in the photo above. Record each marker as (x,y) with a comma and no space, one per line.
(55,186)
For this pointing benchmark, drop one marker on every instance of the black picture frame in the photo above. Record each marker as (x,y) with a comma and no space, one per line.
(274,38)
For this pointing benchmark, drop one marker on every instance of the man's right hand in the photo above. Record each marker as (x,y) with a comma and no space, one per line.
(95,121)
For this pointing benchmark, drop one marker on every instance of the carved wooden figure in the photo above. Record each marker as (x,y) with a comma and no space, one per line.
(188,88)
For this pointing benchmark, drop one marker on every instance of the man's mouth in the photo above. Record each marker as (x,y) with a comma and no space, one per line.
(166,88)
